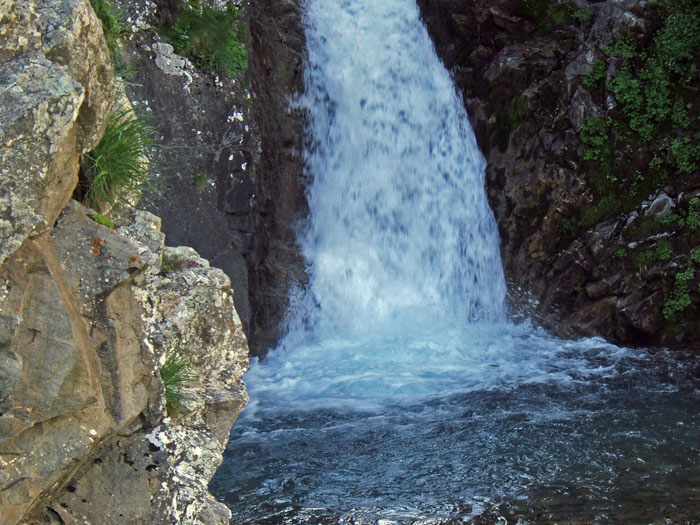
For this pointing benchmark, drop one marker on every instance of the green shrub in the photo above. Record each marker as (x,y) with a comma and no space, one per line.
(583,15)
(620,253)
(692,220)
(695,255)
(595,136)
(685,154)
(211,38)
(176,373)
(595,78)
(653,134)
(663,250)
(680,297)
(118,166)
(549,14)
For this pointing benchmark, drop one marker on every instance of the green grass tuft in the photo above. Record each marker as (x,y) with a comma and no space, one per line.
(211,38)
(175,373)
(201,182)
(118,166)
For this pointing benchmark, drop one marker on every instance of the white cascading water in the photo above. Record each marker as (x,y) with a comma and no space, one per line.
(400,233)
(401,392)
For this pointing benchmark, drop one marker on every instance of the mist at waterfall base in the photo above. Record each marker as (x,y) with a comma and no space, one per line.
(402,392)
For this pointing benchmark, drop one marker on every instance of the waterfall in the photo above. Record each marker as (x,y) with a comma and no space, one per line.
(400,235)
(401,393)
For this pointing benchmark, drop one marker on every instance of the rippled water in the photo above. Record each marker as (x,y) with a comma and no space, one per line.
(548,431)
(401,392)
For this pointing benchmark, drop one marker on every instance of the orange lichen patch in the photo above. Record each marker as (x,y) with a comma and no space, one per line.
(95,251)
(98,241)
(135,259)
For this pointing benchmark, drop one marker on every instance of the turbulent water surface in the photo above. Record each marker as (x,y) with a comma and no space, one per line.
(401,391)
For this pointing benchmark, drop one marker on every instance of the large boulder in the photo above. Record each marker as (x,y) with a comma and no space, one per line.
(87,322)
(56,91)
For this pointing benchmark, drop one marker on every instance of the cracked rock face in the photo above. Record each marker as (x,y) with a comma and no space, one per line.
(55,96)
(86,325)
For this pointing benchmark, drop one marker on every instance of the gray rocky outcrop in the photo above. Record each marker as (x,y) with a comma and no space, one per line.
(54,100)
(89,315)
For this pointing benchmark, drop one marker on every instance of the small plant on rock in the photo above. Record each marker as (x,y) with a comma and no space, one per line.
(211,38)
(118,166)
(176,372)
(103,220)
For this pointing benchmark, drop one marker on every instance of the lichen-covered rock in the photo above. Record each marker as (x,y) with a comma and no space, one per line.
(160,473)
(72,37)
(75,370)
(56,91)
(86,322)
(39,104)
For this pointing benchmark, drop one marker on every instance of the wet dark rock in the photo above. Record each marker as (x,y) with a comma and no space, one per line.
(521,82)
(279,206)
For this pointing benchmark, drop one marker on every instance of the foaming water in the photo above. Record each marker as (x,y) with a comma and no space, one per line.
(401,392)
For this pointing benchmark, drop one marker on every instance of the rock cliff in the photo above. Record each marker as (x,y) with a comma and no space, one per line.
(89,315)
(276,70)
(596,205)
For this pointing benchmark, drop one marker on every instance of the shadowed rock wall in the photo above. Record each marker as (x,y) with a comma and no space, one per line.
(522,80)
(276,64)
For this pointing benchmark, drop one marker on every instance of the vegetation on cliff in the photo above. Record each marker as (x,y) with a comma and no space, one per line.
(118,167)
(652,135)
(212,38)
(650,138)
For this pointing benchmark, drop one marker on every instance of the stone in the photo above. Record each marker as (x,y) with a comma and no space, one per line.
(97,259)
(55,97)
(160,475)
(39,105)
(597,290)
(73,38)
(660,207)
